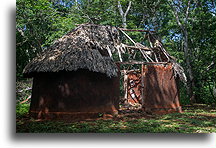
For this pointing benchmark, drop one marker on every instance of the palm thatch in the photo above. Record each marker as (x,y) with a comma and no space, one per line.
(86,47)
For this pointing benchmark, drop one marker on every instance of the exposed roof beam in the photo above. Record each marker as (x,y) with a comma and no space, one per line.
(123,29)
(141,62)
(142,48)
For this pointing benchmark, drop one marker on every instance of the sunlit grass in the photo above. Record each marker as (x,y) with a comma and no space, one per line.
(190,121)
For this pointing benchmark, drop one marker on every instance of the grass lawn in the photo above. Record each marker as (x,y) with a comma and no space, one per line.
(194,119)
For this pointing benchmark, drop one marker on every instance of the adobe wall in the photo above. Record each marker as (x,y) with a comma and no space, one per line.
(161,94)
(80,94)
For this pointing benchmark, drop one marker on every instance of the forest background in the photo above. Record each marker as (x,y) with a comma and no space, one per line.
(187,29)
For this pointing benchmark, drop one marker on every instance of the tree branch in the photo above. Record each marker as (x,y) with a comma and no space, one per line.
(128,8)
(120,9)
(124,14)
(187,11)
(174,11)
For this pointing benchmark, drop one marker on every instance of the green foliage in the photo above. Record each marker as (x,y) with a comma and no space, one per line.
(183,95)
(23,90)
(39,23)
(22,110)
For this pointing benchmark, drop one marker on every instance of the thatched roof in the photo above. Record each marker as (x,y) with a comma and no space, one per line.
(85,47)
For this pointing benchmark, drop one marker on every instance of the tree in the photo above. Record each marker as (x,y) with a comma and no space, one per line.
(181,10)
(124,14)
(186,27)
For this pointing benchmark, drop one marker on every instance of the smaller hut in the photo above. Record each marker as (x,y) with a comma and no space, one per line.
(154,84)
(76,77)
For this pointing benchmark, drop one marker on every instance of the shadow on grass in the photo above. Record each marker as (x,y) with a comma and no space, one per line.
(123,130)
(187,122)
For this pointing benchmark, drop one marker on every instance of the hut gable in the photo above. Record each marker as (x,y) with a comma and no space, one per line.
(85,47)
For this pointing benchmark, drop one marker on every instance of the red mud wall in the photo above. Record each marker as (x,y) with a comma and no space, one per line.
(79,94)
(161,94)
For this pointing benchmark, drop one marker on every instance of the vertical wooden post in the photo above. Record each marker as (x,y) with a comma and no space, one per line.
(142,83)
(125,84)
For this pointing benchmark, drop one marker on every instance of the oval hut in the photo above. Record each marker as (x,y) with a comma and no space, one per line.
(75,78)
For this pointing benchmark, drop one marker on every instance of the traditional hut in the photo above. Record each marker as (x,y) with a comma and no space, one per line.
(76,77)
(154,84)
(155,87)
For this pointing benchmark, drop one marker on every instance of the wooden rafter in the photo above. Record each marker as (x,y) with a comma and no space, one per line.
(138,46)
(141,62)
(123,29)
(142,48)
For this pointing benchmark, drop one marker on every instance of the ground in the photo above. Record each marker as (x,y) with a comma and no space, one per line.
(198,118)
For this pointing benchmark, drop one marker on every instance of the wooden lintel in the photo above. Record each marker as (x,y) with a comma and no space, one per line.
(144,63)
(123,29)
(142,48)
(128,71)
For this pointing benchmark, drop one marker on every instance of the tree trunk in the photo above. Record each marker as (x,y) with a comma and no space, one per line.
(214,89)
(187,52)
(187,56)
(124,14)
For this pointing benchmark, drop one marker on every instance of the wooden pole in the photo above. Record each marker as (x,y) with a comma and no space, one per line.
(137,48)
(144,63)
(123,29)
(128,37)
(142,83)
(125,84)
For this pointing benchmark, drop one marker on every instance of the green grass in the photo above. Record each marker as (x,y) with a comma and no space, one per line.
(192,120)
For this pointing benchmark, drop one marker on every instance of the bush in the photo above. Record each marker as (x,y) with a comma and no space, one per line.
(22,110)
